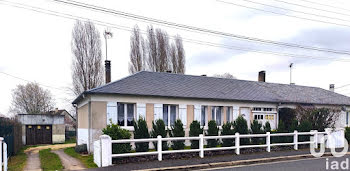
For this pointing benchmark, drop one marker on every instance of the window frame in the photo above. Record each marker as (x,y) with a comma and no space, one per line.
(168,124)
(205,107)
(215,115)
(229,114)
(126,114)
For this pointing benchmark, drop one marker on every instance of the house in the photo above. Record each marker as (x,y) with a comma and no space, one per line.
(69,120)
(168,96)
(42,128)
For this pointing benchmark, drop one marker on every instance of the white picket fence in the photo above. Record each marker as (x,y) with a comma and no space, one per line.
(103,147)
(3,155)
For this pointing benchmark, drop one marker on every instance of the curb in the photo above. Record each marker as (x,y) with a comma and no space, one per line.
(237,163)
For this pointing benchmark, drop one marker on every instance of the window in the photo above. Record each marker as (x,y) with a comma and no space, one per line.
(169,114)
(256,109)
(203,115)
(126,113)
(228,114)
(267,109)
(269,117)
(216,114)
(347,118)
(258,117)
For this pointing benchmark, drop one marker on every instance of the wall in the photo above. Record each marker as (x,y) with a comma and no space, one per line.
(58,133)
(82,115)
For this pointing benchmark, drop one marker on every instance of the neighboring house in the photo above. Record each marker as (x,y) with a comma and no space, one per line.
(167,96)
(69,120)
(42,128)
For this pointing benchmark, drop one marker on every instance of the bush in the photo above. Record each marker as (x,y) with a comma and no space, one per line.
(116,133)
(141,132)
(347,134)
(281,139)
(158,128)
(195,131)
(213,130)
(294,126)
(81,148)
(178,131)
(305,126)
(241,127)
(267,127)
(255,128)
(227,130)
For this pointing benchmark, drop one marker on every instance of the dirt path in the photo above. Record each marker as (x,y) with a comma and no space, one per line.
(33,161)
(69,163)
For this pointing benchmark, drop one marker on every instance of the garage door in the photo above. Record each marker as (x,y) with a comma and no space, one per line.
(38,134)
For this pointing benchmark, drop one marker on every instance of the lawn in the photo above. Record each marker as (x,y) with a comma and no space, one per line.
(88,160)
(49,160)
(18,161)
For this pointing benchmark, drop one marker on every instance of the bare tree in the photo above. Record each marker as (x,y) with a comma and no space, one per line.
(180,51)
(159,55)
(31,99)
(87,68)
(151,49)
(137,51)
(225,75)
(163,51)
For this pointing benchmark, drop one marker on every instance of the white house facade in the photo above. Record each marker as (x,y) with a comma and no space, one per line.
(169,97)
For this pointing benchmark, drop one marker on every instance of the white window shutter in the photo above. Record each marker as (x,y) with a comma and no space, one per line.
(112,112)
(183,114)
(141,110)
(158,111)
(197,113)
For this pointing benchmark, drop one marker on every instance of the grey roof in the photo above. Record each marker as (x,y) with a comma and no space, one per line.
(201,87)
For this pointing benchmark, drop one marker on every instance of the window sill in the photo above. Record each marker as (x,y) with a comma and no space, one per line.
(129,128)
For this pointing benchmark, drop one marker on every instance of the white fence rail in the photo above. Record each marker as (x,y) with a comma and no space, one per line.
(103,147)
(3,155)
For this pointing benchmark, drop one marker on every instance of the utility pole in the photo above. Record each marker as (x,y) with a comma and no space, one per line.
(290,71)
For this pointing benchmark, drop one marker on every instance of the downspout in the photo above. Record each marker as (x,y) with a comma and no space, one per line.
(89,125)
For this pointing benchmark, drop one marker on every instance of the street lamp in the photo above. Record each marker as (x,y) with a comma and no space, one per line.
(107,34)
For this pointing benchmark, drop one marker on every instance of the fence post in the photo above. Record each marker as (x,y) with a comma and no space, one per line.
(5,156)
(295,140)
(1,139)
(316,139)
(201,146)
(159,148)
(106,150)
(268,142)
(237,143)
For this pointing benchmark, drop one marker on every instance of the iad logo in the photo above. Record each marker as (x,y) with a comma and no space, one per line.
(332,142)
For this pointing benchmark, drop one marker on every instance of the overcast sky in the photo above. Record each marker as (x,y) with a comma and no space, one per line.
(36,46)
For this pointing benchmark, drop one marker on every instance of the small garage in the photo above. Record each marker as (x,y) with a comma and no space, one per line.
(42,128)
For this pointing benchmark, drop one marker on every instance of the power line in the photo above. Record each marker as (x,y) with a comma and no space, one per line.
(196,29)
(326,5)
(124,28)
(286,9)
(19,78)
(287,15)
(305,6)
(342,86)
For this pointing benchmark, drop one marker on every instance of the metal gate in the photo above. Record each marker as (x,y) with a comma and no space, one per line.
(38,134)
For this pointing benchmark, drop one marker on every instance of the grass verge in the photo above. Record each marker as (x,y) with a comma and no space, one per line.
(88,161)
(49,160)
(18,161)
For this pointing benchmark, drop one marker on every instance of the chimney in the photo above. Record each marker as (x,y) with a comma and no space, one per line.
(108,71)
(204,75)
(331,87)
(56,110)
(168,71)
(261,77)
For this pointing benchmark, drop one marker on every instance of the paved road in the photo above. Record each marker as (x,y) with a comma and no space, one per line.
(314,164)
